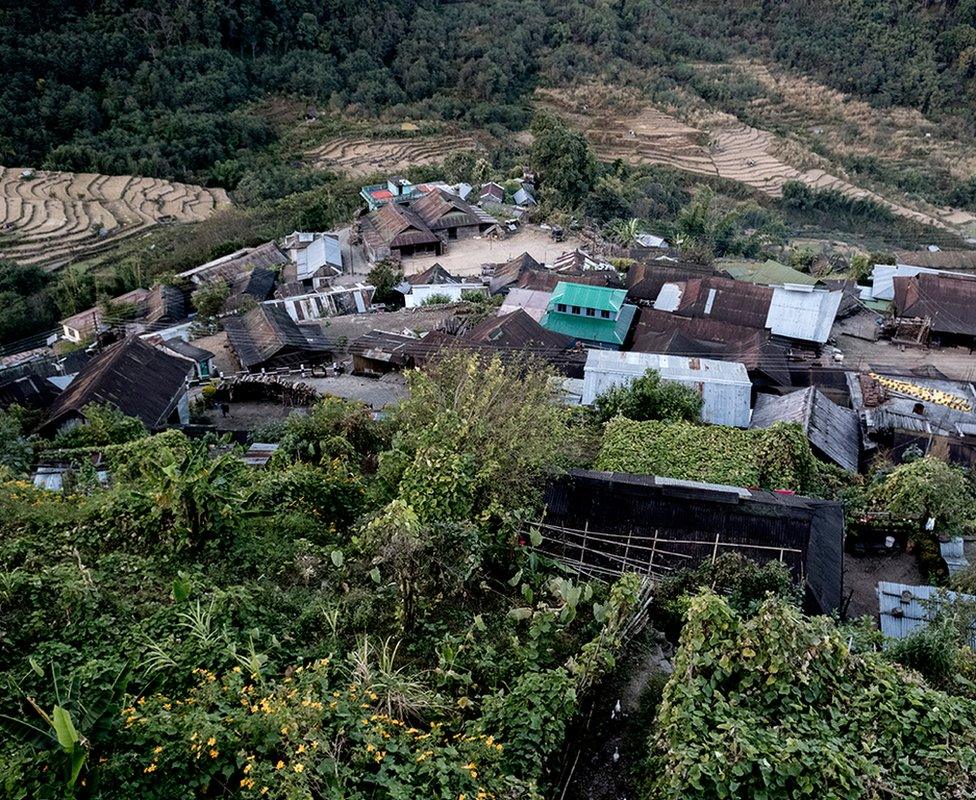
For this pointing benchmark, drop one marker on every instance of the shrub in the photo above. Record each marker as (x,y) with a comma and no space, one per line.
(650,398)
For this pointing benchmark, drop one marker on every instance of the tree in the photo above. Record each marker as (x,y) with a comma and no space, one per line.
(564,159)
(209,299)
(16,451)
(927,487)
(648,397)
(386,276)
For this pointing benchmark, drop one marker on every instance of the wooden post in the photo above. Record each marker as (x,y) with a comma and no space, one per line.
(715,548)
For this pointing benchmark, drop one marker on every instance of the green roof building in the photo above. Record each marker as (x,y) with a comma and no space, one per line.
(769,273)
(594,315)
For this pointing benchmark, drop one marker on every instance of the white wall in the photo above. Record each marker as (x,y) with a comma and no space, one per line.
(452,290)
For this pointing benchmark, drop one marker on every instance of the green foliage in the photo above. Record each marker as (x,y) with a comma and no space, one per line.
(331,429)
(474,434)
(16,450)
(708,227)
(776,705)
(436,300)
(565,160)
(29,307)
(104,425)
(798,195)
(778,457)
(650,398)
(209,299)
(927,487)
(386,276)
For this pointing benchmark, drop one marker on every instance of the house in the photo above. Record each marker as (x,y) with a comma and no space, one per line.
(645,278)
(766,361)
(492,192)
(603,524)
(268,338)
(165,305)
(450,217)
(525,196)
(380,352)
(590,314)
(946,305)
(904,609)
(833,431)
(724,386)
(93,321)
(435,281)
(396,189)
(228,267)
(28,391)
(938,258)
(397,232)
(518,334)
(313,256)
(355,299)
(254,286)
(533,302)
(922,410)
(138,379)
(201,359)
(803,313)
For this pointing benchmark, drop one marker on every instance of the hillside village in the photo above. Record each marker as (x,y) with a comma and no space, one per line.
(731,414)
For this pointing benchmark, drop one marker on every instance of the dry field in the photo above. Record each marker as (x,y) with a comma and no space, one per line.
(56,217)
(719,146)
(359,156)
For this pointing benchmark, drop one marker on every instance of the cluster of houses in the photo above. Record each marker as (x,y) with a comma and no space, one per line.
(756,340)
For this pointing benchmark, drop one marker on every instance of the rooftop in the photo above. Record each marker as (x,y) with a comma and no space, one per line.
(581,295)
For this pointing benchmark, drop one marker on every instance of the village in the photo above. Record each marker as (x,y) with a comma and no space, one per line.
(258,334)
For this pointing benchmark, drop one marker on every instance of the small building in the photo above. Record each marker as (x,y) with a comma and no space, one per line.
(503,276)
(492,192)
(397,232)
(833,431)
(228,267)
(524,197)
(356,299)
(645,278)
(603,524)
(380,352)
(903,411)
(592,315)
(533,302)
(768,273)
(518,335)
(945,306)
(396,189)
(904,609)
(450,217)
(138,379)
(201,359)
(253,286)
(724,386)
(93,321)
(314,256)
(165,305)
(268,338)
(435,281)
(259,454)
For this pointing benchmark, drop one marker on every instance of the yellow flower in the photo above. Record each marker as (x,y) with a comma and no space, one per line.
(248,768)
(247,783)
(158,749)
(379,756)
(299,767)
(264,790)
(300,748)
(150,768)
(280,765)
(284,730)
(214,753)
(211,741)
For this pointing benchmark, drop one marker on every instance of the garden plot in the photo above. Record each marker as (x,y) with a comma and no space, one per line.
(364,156)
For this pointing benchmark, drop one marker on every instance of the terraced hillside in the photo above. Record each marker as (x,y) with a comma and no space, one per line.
(364,156)
(52,218)
(722,147)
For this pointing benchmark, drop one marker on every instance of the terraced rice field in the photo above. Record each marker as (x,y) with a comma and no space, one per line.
(726,149)
(53,218)
(364,156)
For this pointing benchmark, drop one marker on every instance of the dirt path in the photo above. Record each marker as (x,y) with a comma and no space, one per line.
(52,218)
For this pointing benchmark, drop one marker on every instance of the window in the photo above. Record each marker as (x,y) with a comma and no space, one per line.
(605,314)
(576,309)
(590,312)
(561,307)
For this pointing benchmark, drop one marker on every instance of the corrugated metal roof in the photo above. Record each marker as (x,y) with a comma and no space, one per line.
(586,296)
(533,303)
(831,429)
(260,453)
(806,314)
(724,385)
(768,273)
(904,609)
(949,302)
(592,329)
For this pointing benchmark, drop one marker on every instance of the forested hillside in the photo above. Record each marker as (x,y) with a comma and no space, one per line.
(135,87)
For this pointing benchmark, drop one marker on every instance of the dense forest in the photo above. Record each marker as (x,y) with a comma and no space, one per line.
(163,90)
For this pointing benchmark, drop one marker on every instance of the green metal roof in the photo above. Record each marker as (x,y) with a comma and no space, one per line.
(585,296)
(770,273)
(592,329)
